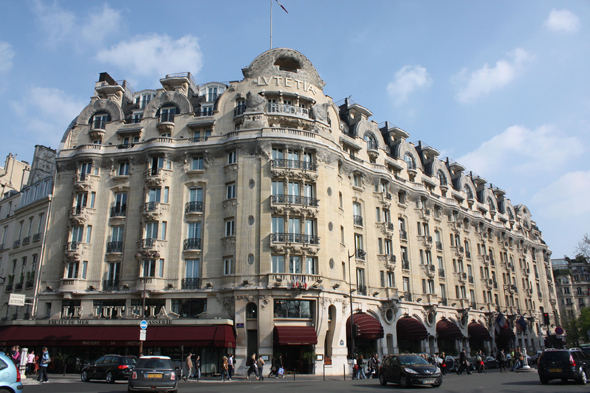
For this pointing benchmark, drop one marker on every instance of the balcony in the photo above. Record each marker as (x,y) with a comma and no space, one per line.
(74,284)
(289,110)
(444,301)
(358,221)
(294,238)
(111,285)
(405,264)
(30,283)
(79,215)
(166,122)
(83,181)
(291,280)
(152,210)
(191,283)
(294,169)
(471,279)
(430,270)
(195,207)
(119,211)
(26,240)
(361,290)
(192,245)
(97,129)
(16,243)
(18,286)
(293,200)
(37,237)
(148,243)
(441,273)
(403,235)
(360,254)
(155,177)
(75,250)
(388,227)
(239,109)
(114,247)
(439,246)
(462,277)
(9,287)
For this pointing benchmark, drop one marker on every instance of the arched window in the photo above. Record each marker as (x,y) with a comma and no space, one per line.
(442,178)
(510,215)
(371,141)
(409,159)
(491,204)
(167,113)
(251,311)
(468,191)
(579,290)
(99,120)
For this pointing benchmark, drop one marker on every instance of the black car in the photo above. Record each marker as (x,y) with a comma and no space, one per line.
(409,369)
(154,374)
(110,368)
(563,364)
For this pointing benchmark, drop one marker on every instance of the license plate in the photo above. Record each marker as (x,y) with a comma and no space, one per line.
(554,370)
(427,381)
(159,376)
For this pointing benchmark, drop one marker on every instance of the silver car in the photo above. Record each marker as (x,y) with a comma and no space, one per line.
(9,375)
(153,374)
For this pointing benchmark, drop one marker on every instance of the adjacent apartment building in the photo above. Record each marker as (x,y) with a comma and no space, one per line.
(260,216)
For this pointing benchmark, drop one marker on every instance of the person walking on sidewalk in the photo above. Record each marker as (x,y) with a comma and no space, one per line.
(260,363)
(30,363)
(189,367)
(251,364)
(501,358)
(464,364)
(45,360)
(224,369)
(230,365)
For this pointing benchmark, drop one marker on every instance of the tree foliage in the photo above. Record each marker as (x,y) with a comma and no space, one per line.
(583,249)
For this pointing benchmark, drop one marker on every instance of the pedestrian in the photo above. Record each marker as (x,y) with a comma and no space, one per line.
(501,359)
(197,368)
(15,355)
(260,363)
(377,362)
(45,360)
(463,363)
(230,365)
(516,361)
(481,367)
(355,367)
(189,367)
(443,364)
(280,368)
(251,364)
(30,363)
(224,368)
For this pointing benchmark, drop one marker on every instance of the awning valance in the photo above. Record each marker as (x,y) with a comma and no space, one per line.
(162,336)
(507,333)
(368,326)
(295,335)
(409,328)
(447,330)
(477,331)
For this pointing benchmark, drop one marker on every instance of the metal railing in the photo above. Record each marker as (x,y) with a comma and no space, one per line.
(358,220)
(361,290)
(26,240)
(114,247)
(406,265)
(191,283)
(360,254)
(192,244)
(193,207)
(151,206)
(119,211)
(196,139)
(441,272)
(287,109)
(148,243)
(99,124)
(439,246)
(293,164)
(167,118)
(294,200)
(72,246)
(294,238)
(111,285)
(403,235)
(16,243)
(37,236)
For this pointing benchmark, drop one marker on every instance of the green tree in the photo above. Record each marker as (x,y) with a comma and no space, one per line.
(584,323)
(572,331)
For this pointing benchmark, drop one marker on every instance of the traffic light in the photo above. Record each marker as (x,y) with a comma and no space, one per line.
(546,319)
(355,330)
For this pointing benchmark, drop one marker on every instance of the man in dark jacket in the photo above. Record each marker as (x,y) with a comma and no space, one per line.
(463,363)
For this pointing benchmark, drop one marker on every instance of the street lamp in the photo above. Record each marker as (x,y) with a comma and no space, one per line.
(145,256)
(360,253)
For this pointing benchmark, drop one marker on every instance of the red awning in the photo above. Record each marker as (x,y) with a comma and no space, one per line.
(295,335)
(507,333)
(368,327)
(162,336)
(478,331)
(447,330)
(409,328)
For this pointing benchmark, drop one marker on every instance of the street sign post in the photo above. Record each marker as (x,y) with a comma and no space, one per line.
(142,334)
(16,299)
(143,324)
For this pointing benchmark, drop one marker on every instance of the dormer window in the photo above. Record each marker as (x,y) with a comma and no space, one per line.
(99,120)
(442,178)
(371,141)
(211,94)
(167,114)
(468,191)
(409,159)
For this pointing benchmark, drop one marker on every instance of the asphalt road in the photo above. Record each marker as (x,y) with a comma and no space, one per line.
(492,381)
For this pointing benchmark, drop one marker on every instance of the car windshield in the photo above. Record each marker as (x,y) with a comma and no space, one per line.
(129,361)
(555,355)
(411,360)
(154,364)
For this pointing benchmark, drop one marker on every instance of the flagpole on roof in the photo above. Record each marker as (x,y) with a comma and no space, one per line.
(270,24)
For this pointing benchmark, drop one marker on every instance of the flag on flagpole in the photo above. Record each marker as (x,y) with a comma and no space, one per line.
(501,322)
(284,9)
(522,323)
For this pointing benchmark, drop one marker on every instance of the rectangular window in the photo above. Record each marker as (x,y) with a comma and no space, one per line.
(378,214)
(161,269)
(312,265)
(77,234)
(228,266)
(380,245)
(390,280)
(406,286)
(163,230)
(123,169)
(88,233)
(342,234)
(278,225)
(41,224)
(149,268)
(278,188)
(84,269)
(231,157)
(151,230)
(292,309)
(278,264)
(72,269)
(230,191)
(229,228)
(192,268)
(295,264)
(382,277)
(166,194)
(388,247)
(197,163)
(195,195)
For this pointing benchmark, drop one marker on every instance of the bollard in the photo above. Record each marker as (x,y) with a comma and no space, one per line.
(324,372)
(344,371)
(294,372)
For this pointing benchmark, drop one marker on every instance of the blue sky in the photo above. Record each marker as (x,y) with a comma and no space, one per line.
(503,87)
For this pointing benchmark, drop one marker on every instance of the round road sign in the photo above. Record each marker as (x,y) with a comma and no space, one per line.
(143,324)
(559,330)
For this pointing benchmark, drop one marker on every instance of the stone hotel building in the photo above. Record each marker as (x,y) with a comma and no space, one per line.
(260,216)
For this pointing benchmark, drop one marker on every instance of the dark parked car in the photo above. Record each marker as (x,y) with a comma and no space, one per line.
(409,369)
(154,374)
(111,368)
(563,364)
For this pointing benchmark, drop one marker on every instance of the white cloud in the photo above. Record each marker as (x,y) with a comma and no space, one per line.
(520,151)
(61,26)
(154,55)
(407,80)
(565,198)
(563,20)
(45,114)
(485,80)
(6,56)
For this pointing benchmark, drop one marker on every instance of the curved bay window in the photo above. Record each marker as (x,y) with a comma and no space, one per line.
(300,309)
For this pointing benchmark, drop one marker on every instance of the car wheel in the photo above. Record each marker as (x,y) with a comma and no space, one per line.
(403,381)
(110,378)
(382,380)
(84,376)
(583,380)
(544,381)
(437,385)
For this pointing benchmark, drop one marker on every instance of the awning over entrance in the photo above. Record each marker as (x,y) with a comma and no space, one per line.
(447,330)
(477,331)
(409,328)
(115,336)
(295,335)
(368,327)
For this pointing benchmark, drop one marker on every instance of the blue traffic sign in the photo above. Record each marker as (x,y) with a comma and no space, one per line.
(143,324)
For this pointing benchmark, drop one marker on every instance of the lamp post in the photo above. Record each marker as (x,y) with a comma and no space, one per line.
(145,256)
(352,330)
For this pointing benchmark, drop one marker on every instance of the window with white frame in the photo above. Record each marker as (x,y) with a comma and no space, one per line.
(228,266)
(231,157)
(123,169)
(229,228)
(312,265)
(230,191)
(72,269)
(278,264)
(197,163)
